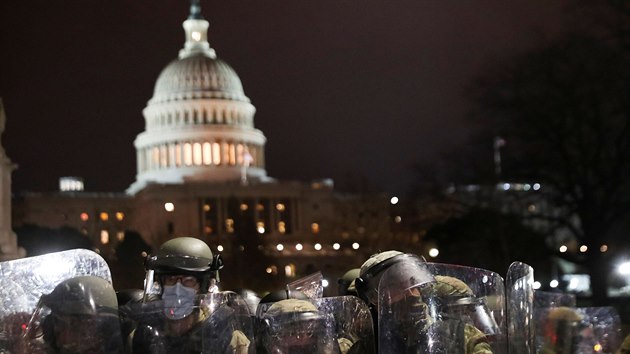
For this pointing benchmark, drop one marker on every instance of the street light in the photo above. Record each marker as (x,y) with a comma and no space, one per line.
(624,268)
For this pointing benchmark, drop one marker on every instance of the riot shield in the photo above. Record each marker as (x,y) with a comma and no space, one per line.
(404,322)
(353,323)
(519,285)
(546,299)
(214,323)
(460,311)
(310,285)
(306,326)
(24,281)
(585,330)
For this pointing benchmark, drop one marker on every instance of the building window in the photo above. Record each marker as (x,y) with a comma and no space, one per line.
(216,153)
(155,158)
(120,235)
(315,228)
(163,156)
(239,154)
(260,227)
(282,227)
(280,207)
(120,216)
(229,226)
(188,154)
(232,154)
(289,270)
(197,158)
(207,154)
(104,216)
(244,206)
(104,237)
(169,207)
(178,155)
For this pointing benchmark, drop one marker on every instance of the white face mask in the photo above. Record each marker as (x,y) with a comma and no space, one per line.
(179,301)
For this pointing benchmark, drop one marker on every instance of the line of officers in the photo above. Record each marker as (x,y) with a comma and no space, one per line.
(393,303)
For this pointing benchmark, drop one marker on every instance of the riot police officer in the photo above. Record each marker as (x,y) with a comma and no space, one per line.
(183,310)
(83,319)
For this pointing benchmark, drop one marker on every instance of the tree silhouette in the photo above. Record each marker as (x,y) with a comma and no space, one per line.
(564,110)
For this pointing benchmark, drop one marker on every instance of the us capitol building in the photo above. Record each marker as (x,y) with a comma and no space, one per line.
(201,172)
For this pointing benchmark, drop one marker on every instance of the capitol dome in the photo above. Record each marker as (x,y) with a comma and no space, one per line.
(198,76)
(199,125)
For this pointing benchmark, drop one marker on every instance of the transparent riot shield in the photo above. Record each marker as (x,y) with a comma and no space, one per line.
(546,299)
(405,324)
(298,326)
(353,323)
(211,323)
(24,281)
(311,285)
(519,285)
(584,330)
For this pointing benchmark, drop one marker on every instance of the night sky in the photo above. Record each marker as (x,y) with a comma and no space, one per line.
(343,89)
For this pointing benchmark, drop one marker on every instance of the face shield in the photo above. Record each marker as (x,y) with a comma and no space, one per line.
(76,318)
(297,329)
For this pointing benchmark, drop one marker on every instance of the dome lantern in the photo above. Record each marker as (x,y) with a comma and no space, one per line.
(196,28)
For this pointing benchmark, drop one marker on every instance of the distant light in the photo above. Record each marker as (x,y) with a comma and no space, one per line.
(336,246)
(120,215)
(397,219)
(537,285)
(196,36)
(279,247)
(434,252)
(583,248)
(597,347)
(104,216)
(484,279)
(355,246)
(220,248)
(624,268)
(394,200)
(261,229)
(554,283)
(280,207)
(603,248)
(563,249)
(536,186)
(573,284)
(268,270)
(506,186)
(527,187)
(85,216)
(324,283)
(169,207)
(299,247)
(318,246)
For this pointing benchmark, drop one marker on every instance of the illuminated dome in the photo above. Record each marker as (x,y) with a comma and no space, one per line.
(199,125)
(198,76)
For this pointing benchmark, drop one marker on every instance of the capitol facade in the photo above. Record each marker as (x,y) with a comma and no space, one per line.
(201,173)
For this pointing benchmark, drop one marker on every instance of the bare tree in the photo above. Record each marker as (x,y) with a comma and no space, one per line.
(564,109)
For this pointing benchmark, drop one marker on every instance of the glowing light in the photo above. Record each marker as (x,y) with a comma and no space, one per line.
(280,247)
(397,219)
(299,247)
(84,216)
(169,207)
(563,249)
(506,186)
(603,248)
(355,246)
(244,206)
(104,237)
(260,227)
(336,246)
(484,279)
(583,248)
(554,283)
(624,268)
(280,207)
(220,248)
(196,36)
(434,252)
(597,347)
(206,207)
(324,283)
(394,200)
(104,216)
(315,228)
(318,246)
(268,270)
(537,285)
(536,186)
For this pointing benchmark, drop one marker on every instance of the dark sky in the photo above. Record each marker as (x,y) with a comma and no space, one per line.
(342,88)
